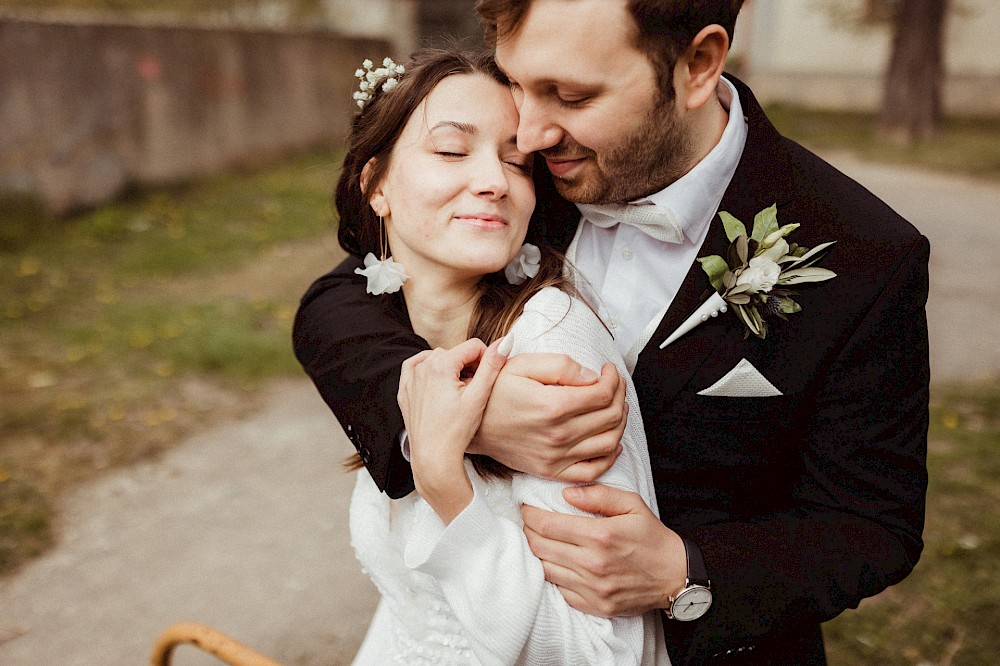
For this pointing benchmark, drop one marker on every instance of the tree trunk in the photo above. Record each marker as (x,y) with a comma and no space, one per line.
(911,106)
(449,23)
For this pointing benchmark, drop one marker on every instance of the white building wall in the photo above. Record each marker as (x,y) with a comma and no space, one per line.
(800,52)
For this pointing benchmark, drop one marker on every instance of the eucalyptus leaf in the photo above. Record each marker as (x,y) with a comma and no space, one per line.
(811,274)
(761,330)
(715,267)
(734,228)
(742,249)
(765,222)
(738,299)
(729,280)
(813,254)
(747,319)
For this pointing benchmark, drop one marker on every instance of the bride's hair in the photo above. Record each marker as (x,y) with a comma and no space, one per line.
(374,132)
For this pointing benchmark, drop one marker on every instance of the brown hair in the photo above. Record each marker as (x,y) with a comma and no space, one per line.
(374,132)
(664,29)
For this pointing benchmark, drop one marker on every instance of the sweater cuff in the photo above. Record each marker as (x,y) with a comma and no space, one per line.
(435,548)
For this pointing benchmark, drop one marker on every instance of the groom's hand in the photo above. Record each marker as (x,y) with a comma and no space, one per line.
(550,417)
(623,562)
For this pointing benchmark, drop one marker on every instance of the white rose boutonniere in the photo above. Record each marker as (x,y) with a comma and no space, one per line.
(757,271)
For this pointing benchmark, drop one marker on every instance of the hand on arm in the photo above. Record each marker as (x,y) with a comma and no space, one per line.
(549,416)
(622,562)
(442,412)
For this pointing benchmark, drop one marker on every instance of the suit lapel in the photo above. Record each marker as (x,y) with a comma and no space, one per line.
(687,354)
(756,184)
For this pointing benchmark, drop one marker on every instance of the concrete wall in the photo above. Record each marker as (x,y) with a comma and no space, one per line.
(809,53)
(87,109)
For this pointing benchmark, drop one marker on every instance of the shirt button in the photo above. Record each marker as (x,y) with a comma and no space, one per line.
(627,253)
(613,323)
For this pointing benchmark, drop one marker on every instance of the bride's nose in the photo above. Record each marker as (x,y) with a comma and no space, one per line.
(491,178)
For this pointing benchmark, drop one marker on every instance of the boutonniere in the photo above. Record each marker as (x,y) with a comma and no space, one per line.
(754,277)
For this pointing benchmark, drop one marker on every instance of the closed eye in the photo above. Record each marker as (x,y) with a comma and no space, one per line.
(524,167)
(572,103)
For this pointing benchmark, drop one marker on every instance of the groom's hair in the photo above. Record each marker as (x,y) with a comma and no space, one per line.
(664,29)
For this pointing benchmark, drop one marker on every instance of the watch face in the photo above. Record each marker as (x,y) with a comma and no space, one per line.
(691,604)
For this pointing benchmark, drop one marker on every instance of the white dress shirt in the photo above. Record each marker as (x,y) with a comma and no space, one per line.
(630,277)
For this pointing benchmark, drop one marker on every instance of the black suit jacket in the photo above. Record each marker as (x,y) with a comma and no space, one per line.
(803,504)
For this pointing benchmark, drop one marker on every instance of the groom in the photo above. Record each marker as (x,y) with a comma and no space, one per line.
(790,470)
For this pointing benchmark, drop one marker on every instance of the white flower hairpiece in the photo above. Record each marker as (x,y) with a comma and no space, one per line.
(524,265)
(387,75)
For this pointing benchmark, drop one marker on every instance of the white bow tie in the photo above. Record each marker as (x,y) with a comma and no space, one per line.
(658,222)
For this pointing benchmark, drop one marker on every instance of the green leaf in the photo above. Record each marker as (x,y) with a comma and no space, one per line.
(813,255)
(742,249)
(765,222)
(812,274)
(715,268)
(734,228)
(773,237)
(747,319)
(739,288)
(759,321)
(788,306)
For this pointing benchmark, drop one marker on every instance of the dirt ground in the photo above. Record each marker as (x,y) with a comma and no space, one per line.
(244,526)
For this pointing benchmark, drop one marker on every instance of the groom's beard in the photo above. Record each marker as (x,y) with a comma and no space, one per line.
(644,161)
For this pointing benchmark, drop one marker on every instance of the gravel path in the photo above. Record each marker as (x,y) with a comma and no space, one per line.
(244,526)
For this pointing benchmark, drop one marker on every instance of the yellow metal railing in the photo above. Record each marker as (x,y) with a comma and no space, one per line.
(208,639)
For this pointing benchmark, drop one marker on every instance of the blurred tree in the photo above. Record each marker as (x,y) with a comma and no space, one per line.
(911,102)
(448,22)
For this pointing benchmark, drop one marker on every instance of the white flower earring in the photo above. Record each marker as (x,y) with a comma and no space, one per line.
(384,275)
(524,265)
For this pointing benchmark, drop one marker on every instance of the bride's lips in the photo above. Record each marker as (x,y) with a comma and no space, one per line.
(484,220)
(562,167)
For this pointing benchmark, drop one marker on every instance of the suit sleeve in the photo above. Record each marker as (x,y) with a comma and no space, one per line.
(352,344)
(859,504)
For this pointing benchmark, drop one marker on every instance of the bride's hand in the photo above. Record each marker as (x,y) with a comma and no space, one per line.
(442,411)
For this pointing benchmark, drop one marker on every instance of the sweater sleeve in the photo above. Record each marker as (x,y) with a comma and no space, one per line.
(482,561)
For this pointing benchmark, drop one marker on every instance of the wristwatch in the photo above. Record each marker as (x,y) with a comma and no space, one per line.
(695,598)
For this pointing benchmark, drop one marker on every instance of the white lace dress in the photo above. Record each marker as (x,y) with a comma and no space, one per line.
(472,592)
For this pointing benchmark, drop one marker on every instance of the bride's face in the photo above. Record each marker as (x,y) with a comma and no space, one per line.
(458,194)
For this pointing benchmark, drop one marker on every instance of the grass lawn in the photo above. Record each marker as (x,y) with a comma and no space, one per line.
(948,610)
(969,146)
(127,326)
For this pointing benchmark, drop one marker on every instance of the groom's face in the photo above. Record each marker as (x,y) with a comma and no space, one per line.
(589,103)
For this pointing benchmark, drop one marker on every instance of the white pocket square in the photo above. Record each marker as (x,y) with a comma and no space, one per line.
(743,381)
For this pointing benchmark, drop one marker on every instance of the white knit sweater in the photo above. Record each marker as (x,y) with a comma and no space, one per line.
(472,592)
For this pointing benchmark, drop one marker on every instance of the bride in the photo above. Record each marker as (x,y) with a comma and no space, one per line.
(436,197)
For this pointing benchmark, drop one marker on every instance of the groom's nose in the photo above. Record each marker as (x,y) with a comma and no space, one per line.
(536,129)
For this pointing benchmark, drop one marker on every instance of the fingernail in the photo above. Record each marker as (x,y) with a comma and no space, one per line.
(587,375)
(506,344)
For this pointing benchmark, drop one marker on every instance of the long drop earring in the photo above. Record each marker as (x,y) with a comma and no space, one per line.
(382,241)
(384,275)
